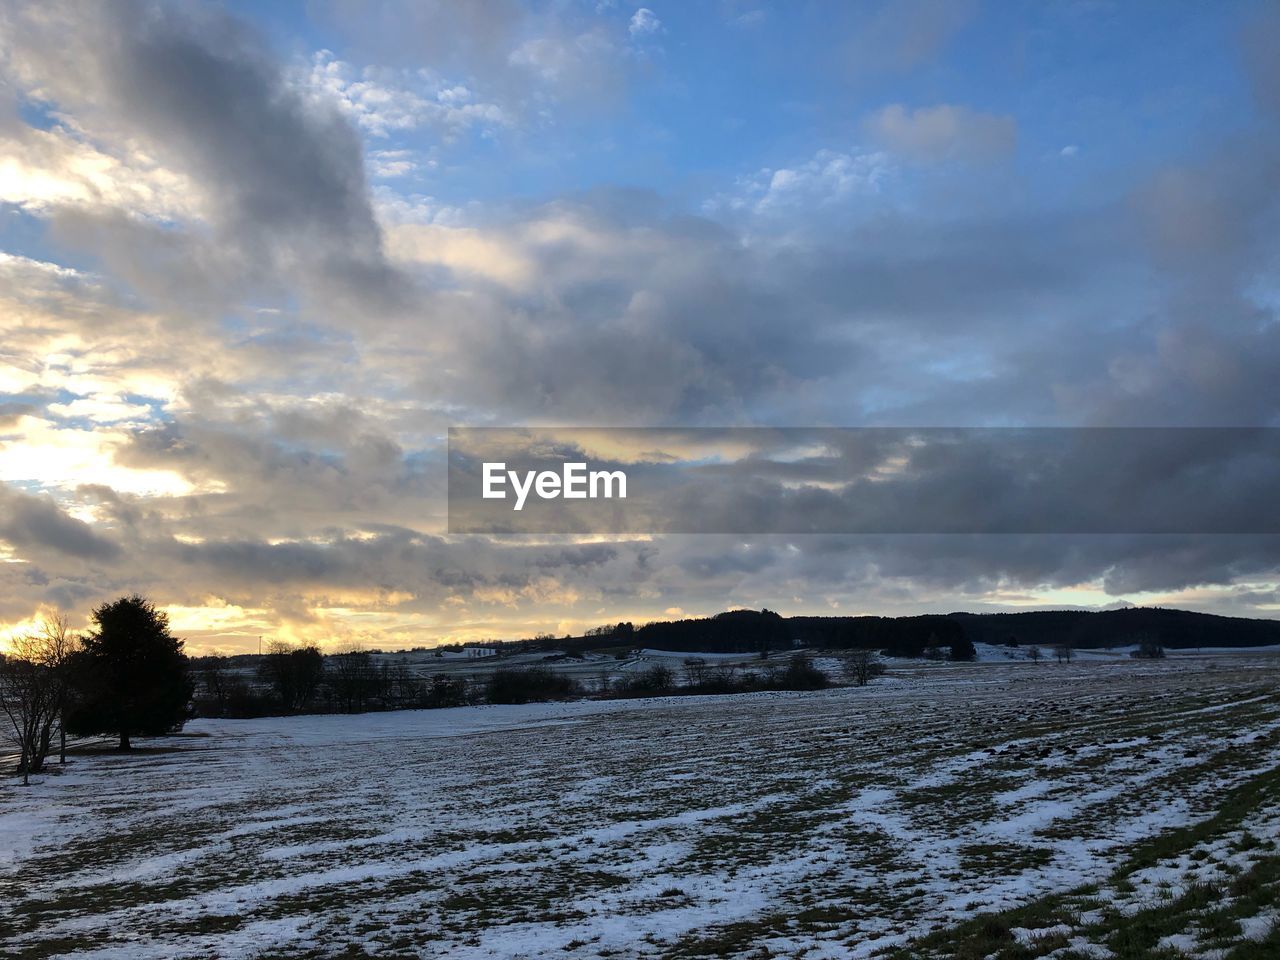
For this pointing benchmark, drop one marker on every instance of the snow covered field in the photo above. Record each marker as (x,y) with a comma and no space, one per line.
(833,824)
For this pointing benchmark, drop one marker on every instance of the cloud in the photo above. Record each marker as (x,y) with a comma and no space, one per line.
(280,174)
(748,19)
(102,408)
(532,62)
(388,164)
(41,170)
(38,523)
(1260,36)
(246,393)
(54,455)
(644,23)
(829,177)
(916,481)
(905,34)
(382,102)
(943,132)
(585,66)
(458,39)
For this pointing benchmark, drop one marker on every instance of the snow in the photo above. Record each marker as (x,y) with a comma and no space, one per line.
(638,826)
(402,724)
(709,657)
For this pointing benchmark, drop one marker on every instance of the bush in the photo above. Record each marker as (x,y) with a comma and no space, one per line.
(445,691)
(725,679)
(1149,649)
(801,674)
(528,686)
(243,701)
(655,680)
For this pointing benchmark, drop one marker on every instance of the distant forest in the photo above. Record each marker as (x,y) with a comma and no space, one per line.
(741,631)
(1088,630)
(953,635)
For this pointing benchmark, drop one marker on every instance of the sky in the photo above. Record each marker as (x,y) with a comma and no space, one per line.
(256,259)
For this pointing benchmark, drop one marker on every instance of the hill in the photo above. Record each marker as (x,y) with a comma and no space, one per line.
(952,635)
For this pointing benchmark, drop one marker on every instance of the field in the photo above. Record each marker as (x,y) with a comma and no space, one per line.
(1094,809)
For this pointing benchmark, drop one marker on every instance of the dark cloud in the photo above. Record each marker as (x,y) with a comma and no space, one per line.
(908,481)
(38,523)
(429,568)
(11,412)
(658,318)
(281,175)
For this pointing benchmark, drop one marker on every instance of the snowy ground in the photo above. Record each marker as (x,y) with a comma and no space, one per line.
(833,824)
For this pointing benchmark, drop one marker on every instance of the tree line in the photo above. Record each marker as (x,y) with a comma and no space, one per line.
(1099,629)
(291,679)
(931,636)
(764,631)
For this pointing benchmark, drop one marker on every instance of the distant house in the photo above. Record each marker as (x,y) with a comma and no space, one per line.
(479,651)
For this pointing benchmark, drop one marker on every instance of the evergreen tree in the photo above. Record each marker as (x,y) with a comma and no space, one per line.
(130,675)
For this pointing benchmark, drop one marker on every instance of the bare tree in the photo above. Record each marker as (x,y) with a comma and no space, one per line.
(861,665)
(695,671)
(353,677)
(33,692)
(56,645)
(215,680)
(400,685)
(1034,653)
(293,673)
(1064,652)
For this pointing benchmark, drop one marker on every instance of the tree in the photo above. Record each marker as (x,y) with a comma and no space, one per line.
(293,673)
(399,685)
(655,680)
(353,678)
(1149,648)
(801,674)
(29,699)
(861,665)
(33,691)
(1034,653)
(1063,652)
(528,685)
(56,648)
(216,682)
(130,675)
(446,691)
(695,671)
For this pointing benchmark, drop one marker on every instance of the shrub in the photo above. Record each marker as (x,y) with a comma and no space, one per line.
(1149,649)
(801,674)
(657,679)
(725,679)
(445,691)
